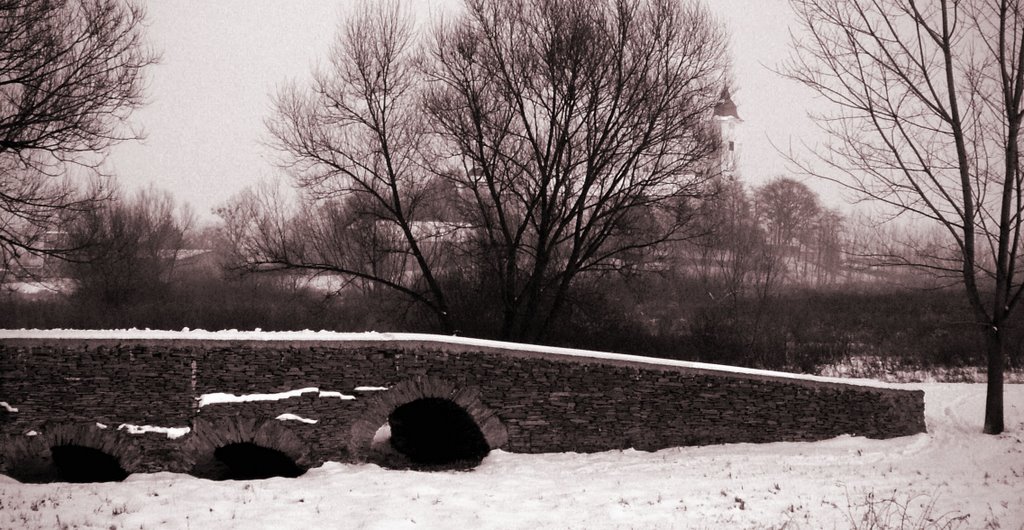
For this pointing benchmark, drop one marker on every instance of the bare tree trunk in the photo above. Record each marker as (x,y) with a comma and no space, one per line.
(994,341)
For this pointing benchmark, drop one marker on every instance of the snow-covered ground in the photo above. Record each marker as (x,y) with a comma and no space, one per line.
(39,287)
(951,472)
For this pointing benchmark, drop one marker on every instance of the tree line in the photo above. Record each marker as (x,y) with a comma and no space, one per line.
(728,295)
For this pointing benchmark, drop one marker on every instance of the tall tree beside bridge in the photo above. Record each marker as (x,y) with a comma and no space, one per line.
(70,74)
(927,120)
(569,134)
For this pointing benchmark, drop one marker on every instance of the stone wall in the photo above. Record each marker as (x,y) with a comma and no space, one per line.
(523,401)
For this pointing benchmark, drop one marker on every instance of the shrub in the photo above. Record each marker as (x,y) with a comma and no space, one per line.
(904,512)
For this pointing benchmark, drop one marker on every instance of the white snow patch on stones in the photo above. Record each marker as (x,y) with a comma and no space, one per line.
(334,394)
(369,388)
(223,397)
(171,432)
(294,417)
(7,406)
(382,434)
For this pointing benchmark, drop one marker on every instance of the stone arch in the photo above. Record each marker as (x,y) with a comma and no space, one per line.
(200,451)
(384,404)
(38,458)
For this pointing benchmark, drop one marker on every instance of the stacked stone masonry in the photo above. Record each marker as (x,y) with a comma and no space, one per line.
(524,401)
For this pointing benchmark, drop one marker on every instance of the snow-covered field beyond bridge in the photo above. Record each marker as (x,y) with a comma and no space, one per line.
(954,469)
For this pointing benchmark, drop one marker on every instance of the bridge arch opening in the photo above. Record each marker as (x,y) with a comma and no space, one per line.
(69,452)
(249,461)
(82,464)
(437,433)
(428,424)
(245,448)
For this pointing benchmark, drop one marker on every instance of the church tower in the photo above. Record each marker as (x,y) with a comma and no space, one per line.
(727,119)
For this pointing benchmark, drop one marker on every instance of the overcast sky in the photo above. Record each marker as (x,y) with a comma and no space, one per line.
(223,59)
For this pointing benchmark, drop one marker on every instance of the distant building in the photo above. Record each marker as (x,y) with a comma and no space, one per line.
(40,263)
(727,118)
(190,262)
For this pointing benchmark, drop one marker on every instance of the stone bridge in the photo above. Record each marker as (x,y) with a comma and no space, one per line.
(92,405)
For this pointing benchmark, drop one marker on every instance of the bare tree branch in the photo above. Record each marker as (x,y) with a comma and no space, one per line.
(71,72)
(926,117)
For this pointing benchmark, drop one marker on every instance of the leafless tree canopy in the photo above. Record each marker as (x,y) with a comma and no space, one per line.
(516,146)
(70,74)
(572,124)
(353,143)
(126,249)
(927,116)
(788,209)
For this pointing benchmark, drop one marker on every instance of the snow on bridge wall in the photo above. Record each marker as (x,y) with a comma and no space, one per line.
(319,397)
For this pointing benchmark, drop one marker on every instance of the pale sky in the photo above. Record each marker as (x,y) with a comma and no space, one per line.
(223,59)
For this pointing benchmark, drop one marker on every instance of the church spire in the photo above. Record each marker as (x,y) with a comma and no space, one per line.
(725,108)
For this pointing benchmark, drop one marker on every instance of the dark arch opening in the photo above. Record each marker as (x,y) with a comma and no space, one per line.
(437,433)
(77,463)
(248,461)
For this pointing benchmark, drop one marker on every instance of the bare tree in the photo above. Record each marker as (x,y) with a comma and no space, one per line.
(127,248)
(269,231)
(578,128)
(788,209)
(353,140)
(70,74)
(563,135)
(927,100)
(828,246)
(731,246)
